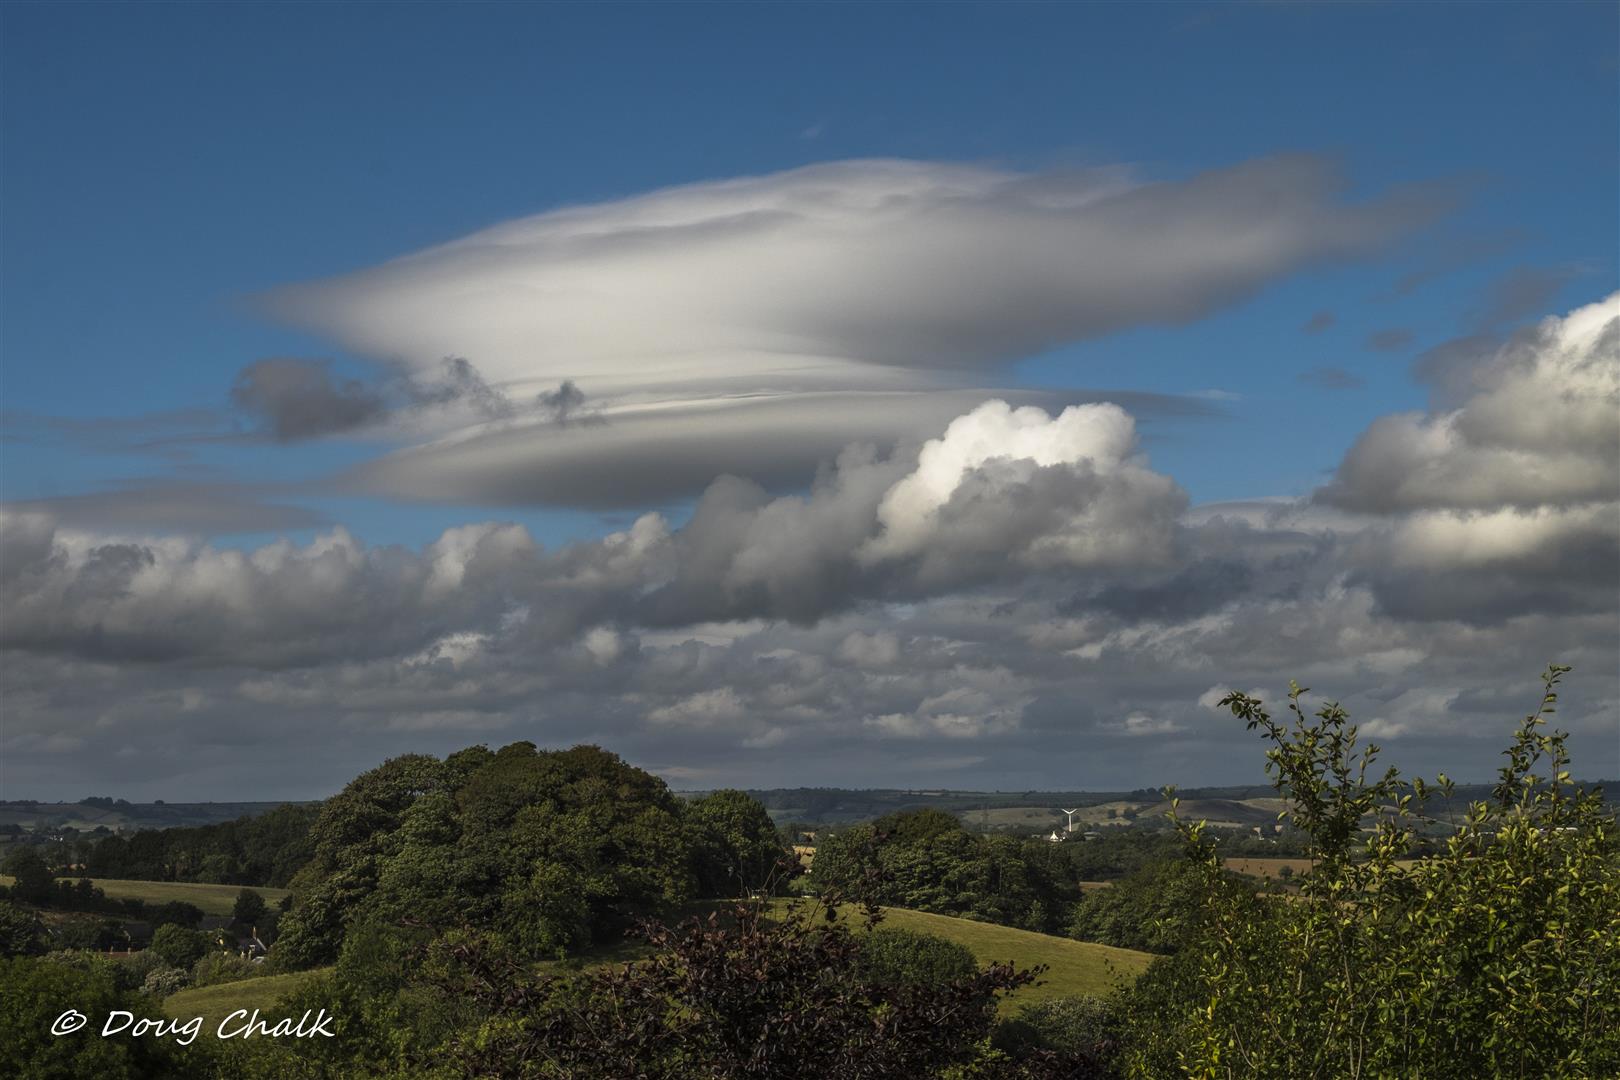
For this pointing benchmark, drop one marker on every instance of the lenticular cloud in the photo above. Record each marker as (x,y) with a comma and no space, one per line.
(698,321)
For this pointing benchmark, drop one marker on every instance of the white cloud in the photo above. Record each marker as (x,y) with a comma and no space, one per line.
(702,322)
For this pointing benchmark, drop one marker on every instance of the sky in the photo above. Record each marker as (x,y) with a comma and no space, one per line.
(806,394)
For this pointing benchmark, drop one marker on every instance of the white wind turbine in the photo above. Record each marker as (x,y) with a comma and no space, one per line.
(1071,814)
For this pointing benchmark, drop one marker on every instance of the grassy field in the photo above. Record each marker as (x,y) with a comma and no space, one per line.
(212,899)
(215,1003)
(1073,967)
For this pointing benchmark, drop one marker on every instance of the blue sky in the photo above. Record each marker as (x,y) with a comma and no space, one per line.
(163,163)
(1304,315)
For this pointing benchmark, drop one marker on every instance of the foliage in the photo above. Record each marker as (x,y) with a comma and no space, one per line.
(33,881)
(163,981)
(1081,1030)
(737,848)
(33,993)
(249,909)
(549,849)
(87,933)
(909,958)
(744,997)
(178,946)
(21,933)
(266,849)
(1154,909)
(223,967)
(1498,956)
(175,913)
(925,860)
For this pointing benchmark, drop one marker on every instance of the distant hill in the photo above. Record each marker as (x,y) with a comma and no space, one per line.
(1242,806)
(118,815)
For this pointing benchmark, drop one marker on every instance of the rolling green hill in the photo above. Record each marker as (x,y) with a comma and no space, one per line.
(215,1003)
(1073,967)
(212,899)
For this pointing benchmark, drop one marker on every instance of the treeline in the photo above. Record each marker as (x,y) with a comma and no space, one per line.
(265,850)
(927,860)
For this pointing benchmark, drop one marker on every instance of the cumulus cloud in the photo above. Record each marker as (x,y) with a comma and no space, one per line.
(698,318)
(1070,494)
(1538,424)
(1015,580)
(635,456)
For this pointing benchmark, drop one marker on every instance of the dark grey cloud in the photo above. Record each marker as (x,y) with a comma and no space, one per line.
(301,399)
(457,382)
(1332,378)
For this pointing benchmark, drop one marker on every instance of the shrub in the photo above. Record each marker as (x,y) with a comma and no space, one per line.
(744,998)
(132,970)
(33,993)
(1076,1036)
(222,967)
(1494,957)
(909,958)
(178,946)
(20,931)
(163,981)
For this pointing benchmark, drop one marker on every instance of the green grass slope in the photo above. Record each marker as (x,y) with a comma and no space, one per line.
(1073,967)
(215,1003)
(212,899)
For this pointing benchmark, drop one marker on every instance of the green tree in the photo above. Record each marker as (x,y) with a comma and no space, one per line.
(34,993)
(1497,956)
(737,847)
(550,849)
(20,931)
(34,883)
(1154,909)
(249,909)
(178,946)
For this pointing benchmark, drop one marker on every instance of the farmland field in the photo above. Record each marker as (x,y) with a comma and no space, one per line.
(212,899)
(1266,868)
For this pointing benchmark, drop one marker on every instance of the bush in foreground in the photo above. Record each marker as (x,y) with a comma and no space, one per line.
(1500,956)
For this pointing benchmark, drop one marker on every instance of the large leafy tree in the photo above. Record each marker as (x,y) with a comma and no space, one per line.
(549,849)
(738,848)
